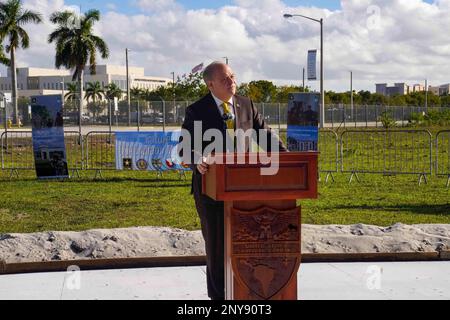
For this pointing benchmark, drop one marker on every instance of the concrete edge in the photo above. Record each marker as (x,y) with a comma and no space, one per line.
(189,261)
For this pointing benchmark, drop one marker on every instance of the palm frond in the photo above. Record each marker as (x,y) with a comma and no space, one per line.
(101,45)
(29,16)
(25,39)
(92,15)
(62,18)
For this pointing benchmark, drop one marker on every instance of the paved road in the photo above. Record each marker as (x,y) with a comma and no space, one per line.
(329,281)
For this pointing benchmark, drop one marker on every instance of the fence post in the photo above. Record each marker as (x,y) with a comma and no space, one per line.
(345,116)
(376,116)
(3,162)
(366,115)
(137,115)
(164,115)
(279,117)
(403,116)
(332,117)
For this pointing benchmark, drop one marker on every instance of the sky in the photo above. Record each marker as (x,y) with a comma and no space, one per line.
(378,40)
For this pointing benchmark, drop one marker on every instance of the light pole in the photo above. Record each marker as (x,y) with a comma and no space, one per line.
(164,113)
(322,104)
(62,94)
(226,60)
(128,89)
(3,99)
(303,79)
(109,115)
(173,92)
(351,92)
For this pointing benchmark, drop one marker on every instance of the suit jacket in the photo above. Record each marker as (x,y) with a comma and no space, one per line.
(206,111)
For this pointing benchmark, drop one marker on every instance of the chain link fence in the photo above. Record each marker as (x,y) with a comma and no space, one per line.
(171,113)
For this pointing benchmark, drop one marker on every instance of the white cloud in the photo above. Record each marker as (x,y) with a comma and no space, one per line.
(379,40)
(111,6)
(154,6)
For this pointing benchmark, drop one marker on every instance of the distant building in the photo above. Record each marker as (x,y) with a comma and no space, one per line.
(441,90)
(434,90)
(385,90)
(40,81)
(398,89)
(416,88)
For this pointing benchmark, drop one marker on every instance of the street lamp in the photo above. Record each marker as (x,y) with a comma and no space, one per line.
(3,106)
(128,87)
(322,104)
(62,93)
(164,112)
(173,93)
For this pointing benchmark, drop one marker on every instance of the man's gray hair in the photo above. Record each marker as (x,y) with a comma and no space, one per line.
(208,73)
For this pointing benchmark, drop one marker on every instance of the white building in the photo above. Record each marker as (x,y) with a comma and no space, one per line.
(40,81)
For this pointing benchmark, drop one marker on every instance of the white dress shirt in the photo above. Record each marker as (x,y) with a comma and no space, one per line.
(220,107)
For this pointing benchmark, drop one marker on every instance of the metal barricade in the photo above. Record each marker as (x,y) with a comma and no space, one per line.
(328,146)
(100,151)
(443,154)
(329,153)
(74,151)
(388,152)
(17,151)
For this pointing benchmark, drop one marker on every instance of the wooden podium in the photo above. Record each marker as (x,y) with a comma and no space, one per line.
(262,222)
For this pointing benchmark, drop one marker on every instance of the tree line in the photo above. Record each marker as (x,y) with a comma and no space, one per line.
(191,87)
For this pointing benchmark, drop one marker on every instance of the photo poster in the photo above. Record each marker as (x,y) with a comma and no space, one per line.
(49,149)
(303,121)
(148,151)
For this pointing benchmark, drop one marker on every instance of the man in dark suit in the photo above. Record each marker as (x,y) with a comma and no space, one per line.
(222,110)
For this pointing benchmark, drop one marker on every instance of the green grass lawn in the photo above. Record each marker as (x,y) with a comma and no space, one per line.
(126,199)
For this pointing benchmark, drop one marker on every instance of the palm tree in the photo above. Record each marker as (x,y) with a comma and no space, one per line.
(3,59)
(76,45)
(72,91)
(113,91)
(95,92)
(72,94)
(12,19)
(136,93)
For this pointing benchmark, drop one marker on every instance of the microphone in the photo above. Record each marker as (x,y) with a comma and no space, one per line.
(227,116)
